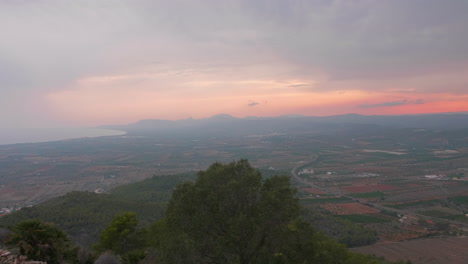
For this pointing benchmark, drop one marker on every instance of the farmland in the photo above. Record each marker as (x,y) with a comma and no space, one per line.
(349,208)
(400,183)
(451,250)
(383,196)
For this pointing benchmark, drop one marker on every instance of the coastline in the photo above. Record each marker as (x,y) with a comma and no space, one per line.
(41,135)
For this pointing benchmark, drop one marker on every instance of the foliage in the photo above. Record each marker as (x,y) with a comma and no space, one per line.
(305,245)
(228,215)
(154,189)
(134,256)
(389,213)
(40,241)
(107,258)
(4,234)
(122,235)
(344,231)
(82,215)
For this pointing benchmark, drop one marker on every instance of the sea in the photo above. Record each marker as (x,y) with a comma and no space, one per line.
(36,135)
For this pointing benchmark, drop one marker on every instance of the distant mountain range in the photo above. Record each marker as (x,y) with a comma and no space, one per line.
(224,124)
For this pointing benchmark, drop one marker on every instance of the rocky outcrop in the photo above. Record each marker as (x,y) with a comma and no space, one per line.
(7,258)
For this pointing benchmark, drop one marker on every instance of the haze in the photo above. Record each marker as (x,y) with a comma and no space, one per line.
(87,63)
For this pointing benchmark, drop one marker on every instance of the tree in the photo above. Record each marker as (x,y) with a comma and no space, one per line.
(122,237)
(228,216)
(40,241)
(107,258)
(4,234)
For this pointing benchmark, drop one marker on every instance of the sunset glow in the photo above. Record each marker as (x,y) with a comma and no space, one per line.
(91,64)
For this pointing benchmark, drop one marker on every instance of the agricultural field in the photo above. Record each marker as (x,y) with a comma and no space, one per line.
(349,208)
(447,250)
(402,191)
(397,209)
(394,184)
(363,218)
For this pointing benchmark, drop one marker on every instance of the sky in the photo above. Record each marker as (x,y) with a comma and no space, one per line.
(89,63)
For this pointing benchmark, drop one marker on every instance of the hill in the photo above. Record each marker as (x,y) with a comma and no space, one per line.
(82,215)
(226,125)
(243,217)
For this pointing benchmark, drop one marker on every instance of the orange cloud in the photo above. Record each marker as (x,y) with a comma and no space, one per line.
(175,94)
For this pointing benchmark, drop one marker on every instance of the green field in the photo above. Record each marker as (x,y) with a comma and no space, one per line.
(367,194)
(362,218)
(435,213)
(415,204)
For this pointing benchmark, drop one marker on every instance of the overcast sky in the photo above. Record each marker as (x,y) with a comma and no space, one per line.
(95,62)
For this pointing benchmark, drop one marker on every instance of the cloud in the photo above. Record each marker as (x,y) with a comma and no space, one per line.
(261,48)
(392,103)
(374,39)
(362,39)
(385,104)
(252,103)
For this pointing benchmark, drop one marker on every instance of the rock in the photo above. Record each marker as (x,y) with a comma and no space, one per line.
(7,258)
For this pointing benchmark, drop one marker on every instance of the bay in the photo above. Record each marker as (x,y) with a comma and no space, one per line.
(36,135)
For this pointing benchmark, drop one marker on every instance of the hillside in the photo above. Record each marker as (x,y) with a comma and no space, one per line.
(82,215)
(224,206)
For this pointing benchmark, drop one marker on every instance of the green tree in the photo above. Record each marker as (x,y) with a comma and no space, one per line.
(4,234)
(122,237)
(229,215)
(107,258)
(40,241)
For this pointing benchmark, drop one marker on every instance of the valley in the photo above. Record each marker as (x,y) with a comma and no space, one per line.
(401,183)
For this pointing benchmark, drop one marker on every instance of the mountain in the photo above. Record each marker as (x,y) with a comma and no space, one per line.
(226,125)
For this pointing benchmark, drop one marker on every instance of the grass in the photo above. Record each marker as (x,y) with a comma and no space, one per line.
(362,218)
(414,204)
